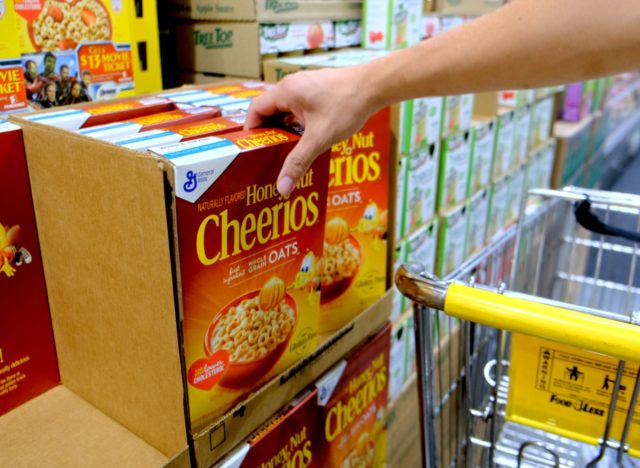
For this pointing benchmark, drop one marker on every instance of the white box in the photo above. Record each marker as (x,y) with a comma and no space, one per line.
(391,24)
(478,217)
(483,134)
(454,171)
(421,187)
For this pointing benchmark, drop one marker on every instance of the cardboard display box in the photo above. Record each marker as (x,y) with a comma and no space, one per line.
(267,10)
(110,197)
(59,428)
(237,48)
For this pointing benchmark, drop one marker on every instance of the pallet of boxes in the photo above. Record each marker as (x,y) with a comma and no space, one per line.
(220,38)
(56,53)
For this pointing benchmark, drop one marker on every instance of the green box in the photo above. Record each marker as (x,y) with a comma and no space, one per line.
(522,128)
(457,114)
(505,136)
(478,207)
(453,186)
(421,186)
(498,199)
(483,134)
(451,241)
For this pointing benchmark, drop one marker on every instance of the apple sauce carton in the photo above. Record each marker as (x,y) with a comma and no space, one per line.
(498,200)
(353,398)
(453,186)
(452,240)
(149,122)
(183,132)
(399,301)
(420,123)
(355,241)
(522,126)
(397,359)
(505,136)
(28,364)
(457,114)
(542,121)
(483,134)
(348,33)
(421,188)
(102,113)
(478,207)
(516,192)
(249,263)
(516,97)
(391,24)
(401,197)
(421,247)
(288,439)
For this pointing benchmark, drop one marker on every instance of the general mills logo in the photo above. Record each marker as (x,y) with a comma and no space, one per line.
(191,183)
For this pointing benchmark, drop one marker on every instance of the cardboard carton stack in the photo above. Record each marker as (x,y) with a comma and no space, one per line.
(231,37)
(57,53)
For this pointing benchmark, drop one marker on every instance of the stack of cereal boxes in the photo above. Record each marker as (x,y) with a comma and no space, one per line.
(73,52)
(339,422)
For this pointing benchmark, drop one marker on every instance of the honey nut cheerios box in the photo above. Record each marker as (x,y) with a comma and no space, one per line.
(355,243)
(101,113)
(249,263)
(288,440)
(353,398)
(149,122)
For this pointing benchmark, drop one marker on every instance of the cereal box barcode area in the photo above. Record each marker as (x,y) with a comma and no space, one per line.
(337,233)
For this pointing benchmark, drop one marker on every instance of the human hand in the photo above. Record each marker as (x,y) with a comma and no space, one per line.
(332,104)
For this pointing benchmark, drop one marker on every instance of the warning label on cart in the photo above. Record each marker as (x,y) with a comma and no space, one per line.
(568,391)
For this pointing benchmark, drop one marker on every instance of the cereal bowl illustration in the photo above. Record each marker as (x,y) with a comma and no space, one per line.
(341,260)
(255,329)
(63,24)
(362,455)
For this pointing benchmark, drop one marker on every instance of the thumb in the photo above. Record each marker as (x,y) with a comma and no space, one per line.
(298,162)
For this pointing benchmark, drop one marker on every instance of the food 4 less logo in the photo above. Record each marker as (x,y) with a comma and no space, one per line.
(280,6)
(217,39)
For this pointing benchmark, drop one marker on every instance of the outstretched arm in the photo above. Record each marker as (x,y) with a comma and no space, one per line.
(525,44)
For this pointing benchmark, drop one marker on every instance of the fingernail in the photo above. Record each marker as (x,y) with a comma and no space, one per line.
(285,185)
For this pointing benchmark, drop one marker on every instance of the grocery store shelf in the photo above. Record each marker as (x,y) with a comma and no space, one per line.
(632,88)
(622,133)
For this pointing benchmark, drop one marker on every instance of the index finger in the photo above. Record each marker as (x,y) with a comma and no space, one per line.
(265,105)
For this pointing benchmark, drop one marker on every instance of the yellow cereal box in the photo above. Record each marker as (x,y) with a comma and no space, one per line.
(355,247)
(353,400)
(249,263)
(12,90)
(82,50)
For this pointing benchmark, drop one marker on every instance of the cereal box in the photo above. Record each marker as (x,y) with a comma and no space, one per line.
(457,114)
(102,113)
(355,243)
(483,135)
(454,171)
(289,439)
(391,25)
(249,263)
(13,96)
(421,247)
(504,144)
(452,238)
(28,364)
(184,132)
(478,217)
(522,127)
(149,122)
(421,187)
(353,399)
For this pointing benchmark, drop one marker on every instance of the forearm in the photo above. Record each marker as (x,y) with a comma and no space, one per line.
(528,43)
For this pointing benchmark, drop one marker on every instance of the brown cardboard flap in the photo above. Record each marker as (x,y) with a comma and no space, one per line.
(59,428)
(108,269)
(217,440)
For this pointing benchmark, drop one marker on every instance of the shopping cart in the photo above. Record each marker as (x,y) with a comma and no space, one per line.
(504,375)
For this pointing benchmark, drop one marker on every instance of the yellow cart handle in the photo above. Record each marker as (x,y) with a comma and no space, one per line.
(585,331)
